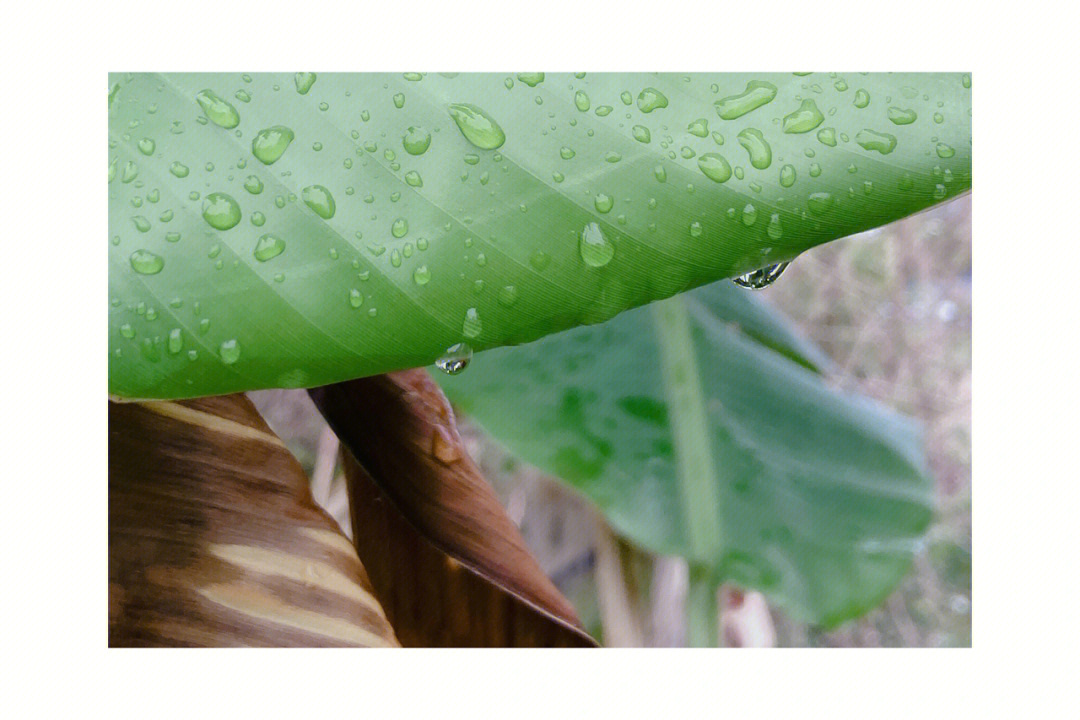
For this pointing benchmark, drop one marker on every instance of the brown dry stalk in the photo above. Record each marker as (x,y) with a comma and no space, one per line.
(445,559)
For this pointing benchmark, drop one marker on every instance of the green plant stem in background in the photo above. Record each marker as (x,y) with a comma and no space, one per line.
(702,609)
(696,470)
(689,428)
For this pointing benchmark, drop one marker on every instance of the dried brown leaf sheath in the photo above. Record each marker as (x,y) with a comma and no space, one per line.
(214,539)
(445,559)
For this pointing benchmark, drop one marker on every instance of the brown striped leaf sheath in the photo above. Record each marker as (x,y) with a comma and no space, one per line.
(214,539)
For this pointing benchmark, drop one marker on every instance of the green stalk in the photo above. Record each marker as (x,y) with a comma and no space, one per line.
(694,462)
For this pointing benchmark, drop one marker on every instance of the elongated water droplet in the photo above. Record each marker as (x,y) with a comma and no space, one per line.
(641,134)
(756,146)
(868,139)
(762,278)
(862,98)
(471,325)
(651,99)
(399,100)
(900,116)
(319,199)
(507,295)
(596,250)
(805,119)
(774,229)
(531,79)
(129,173)
(229,351)
(145,262)
(715,167)
(176,341)
(757,93)
(477,126)
(787,176)
(179,169)
(699,127)
(455,359)
(304,81)
(421,275)
(218,109)
(818,203)
(416,140)
(268,247)
(270,144)
(749,215)
(827,136)
(220,211)
(141,223)
(399,228)
(581,101)
(413,179)
(356,298)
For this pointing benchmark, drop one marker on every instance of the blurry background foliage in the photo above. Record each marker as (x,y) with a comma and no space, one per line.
(891,310)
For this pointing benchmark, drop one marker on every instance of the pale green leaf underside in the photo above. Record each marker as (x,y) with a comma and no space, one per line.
(822,497)
(500,229)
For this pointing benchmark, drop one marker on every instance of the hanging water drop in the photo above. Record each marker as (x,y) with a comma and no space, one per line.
(762,278)
(455,359)
(596,250)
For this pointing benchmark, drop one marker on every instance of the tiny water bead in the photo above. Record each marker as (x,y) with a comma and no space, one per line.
(651,99)
(531,79)
(145,262)
(304,81)
(900,116)
(945,151)
(757,147)
(883,143)
(477,126)
(229,351)
(715,167)
(566,153)
(805,119)
(319,199)
(268,247)
(749,215)
(146,146)
(762,278)
(356,298)
(416,140)
(219,110)
(471,326)
(699,127)
(220,211)
(756,94)
(270,144)
(596,250)
(787,176)
(141,223)
(399,100)
(455,359)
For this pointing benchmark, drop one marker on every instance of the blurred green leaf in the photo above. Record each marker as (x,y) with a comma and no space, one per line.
(281,231)
(822,497)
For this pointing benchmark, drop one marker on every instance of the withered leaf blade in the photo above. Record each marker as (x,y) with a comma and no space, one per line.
(446,561)
(214,539)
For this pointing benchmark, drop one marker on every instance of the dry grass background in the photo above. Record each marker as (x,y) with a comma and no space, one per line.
(892,307)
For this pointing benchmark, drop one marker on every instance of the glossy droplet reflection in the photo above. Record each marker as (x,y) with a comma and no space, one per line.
(651,99)
(319,199)
(477,126)
(145,262)
(270,144)
(761,278)
(455,359)
(596,250)
(218,109)
(268,247)
(756,94)
(220,211)
(416,140)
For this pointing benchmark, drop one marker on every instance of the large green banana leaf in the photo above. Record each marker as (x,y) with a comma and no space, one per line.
(281,230)
(815,497)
